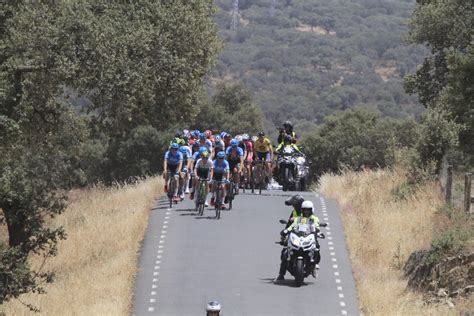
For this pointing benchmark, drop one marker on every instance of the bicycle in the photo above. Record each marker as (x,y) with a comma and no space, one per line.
(218,198)
(201,196)
(172,183)
(258,175)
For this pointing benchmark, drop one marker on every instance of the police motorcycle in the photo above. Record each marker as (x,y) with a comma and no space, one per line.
(301,249)
(286,164)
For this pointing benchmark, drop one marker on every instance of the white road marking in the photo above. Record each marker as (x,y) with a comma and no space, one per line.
(160,246)
(154,286)
(152,300)
(341,295)
(162,241)
(156,273)
(330,243)
(342,304)
(328,233)
(326,219)
(157,267)
(329,238)
(151,309)
(338,280)
(328,228)
(157,261)
(336,273)
(163,236)
(344,312)
(165,222)
(334,266)
(167,217)
(159,257)
(163,231)
(155,280)
(153,293)
(331,248)
(339,288)
(334,259)
(333,253)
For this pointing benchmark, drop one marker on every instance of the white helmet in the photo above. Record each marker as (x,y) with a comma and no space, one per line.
(307,205)
(239,138)
(213,308)
(254,138)
(245,137)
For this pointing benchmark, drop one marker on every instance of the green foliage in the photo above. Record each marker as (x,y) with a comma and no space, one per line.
(86,90)
(445,79)
(304,60)
(356,138)
(449,242)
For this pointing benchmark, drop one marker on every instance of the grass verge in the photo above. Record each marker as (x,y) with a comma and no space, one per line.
(384,222)
(96,265)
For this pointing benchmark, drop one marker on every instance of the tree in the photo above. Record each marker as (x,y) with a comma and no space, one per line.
(445,80)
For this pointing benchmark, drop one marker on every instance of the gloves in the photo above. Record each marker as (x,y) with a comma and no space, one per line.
(284,232)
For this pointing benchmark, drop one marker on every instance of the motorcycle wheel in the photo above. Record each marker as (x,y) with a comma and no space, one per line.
(303,184)
(286,180)
(299,273)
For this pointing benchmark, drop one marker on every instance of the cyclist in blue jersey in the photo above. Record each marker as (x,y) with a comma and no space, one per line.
(204,142)
(184,175)
(173,163)
(235,157)
(219,172)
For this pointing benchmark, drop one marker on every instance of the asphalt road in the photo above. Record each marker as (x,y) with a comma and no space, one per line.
(187,260)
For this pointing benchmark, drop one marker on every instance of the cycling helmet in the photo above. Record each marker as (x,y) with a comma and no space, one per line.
(213,308)
(202,135)
(186,133)
(221,154)
(234,142)
(217,138)
(205,155)
(178,134)
(295,201)
(260,134)
(307,205)
(245,137)
(239,138)
(222,134)
(196,133)
(227,135)
(203,150)
(254,138)
(183,149)
(288,124)
(174,146)
(208,133)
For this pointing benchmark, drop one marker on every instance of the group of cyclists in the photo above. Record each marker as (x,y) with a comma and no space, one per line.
(220,157)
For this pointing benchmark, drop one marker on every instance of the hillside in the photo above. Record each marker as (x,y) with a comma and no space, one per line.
(305,59)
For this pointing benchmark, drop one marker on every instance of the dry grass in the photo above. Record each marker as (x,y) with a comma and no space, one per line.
(96,265)
(381,233)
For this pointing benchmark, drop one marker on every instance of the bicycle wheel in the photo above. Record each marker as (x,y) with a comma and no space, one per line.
(171,190)
(252,180)
(217,202)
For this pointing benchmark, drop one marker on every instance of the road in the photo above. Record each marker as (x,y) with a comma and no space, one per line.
(187,260)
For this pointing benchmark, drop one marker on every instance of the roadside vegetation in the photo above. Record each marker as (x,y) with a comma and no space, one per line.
(96,264)
(383,226)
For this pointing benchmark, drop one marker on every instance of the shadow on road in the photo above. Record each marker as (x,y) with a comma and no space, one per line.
(288,282)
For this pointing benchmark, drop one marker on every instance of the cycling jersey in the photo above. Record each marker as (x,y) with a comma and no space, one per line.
(234,155)
(173,159)
(249,148)
(263,146)
(220,167)
(203,167)
(207,143)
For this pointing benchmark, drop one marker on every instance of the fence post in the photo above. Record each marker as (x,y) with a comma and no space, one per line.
(467,192)
(449,184)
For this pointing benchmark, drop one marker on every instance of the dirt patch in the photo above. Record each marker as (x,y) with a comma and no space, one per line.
(316,29)
(386,70)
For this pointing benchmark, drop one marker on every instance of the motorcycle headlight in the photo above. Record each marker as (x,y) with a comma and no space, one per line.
(295,241)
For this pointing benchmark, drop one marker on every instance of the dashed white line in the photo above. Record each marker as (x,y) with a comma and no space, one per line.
(333,253)
(329,238)
(330,243)
(344,312)
(336,273)
(157,261)
(331,248)
(154,286)
(152,300)
(339,288)
(335,267)
(155,280)
(153,293)
(338,280)
(342,304)
(151,309)
(334,259)
(157,267)
(156,273)
(341,295)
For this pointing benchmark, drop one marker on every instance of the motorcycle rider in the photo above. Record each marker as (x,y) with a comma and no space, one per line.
(295,201)
(287,130)
(306,217)
(288,141)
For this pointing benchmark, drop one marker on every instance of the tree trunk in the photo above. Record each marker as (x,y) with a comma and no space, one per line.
(15,223)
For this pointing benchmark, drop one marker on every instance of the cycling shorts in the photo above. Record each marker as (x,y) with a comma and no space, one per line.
(249,156)
(203,173)
(217,176)
(263,156)
(233,164)
(172,168)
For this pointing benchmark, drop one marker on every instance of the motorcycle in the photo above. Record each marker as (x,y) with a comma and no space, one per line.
(301,250)
(287,166)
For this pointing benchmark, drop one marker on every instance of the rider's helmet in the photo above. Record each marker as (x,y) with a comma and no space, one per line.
(205,155)
(220,155)
(227,136)
(307,208)
(222,134)
(288,139)
(217,138)
(196,133)
(183,149)
(261,134)
(239,138)
(245,137)
(288,124)
(178,134)
(174,146)
(208,133)
(254,138)
(213,308)
(234,142)
(186,133)
(203,150)
(295,201)
(202,135)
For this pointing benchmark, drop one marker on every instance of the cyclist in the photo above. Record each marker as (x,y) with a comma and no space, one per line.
(173,163)
(213,308)
(201,171)
(248,158)
(204,142)
(227,138)
(184,175)
(178,139)
(193,162)
(209,135)
(263,151)
(219,172)
(306,217)
(218,144)
(235,157)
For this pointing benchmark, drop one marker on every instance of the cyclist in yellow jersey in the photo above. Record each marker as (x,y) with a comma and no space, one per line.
(263,151)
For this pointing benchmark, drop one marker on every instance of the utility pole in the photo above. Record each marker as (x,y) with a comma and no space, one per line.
(234,15)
